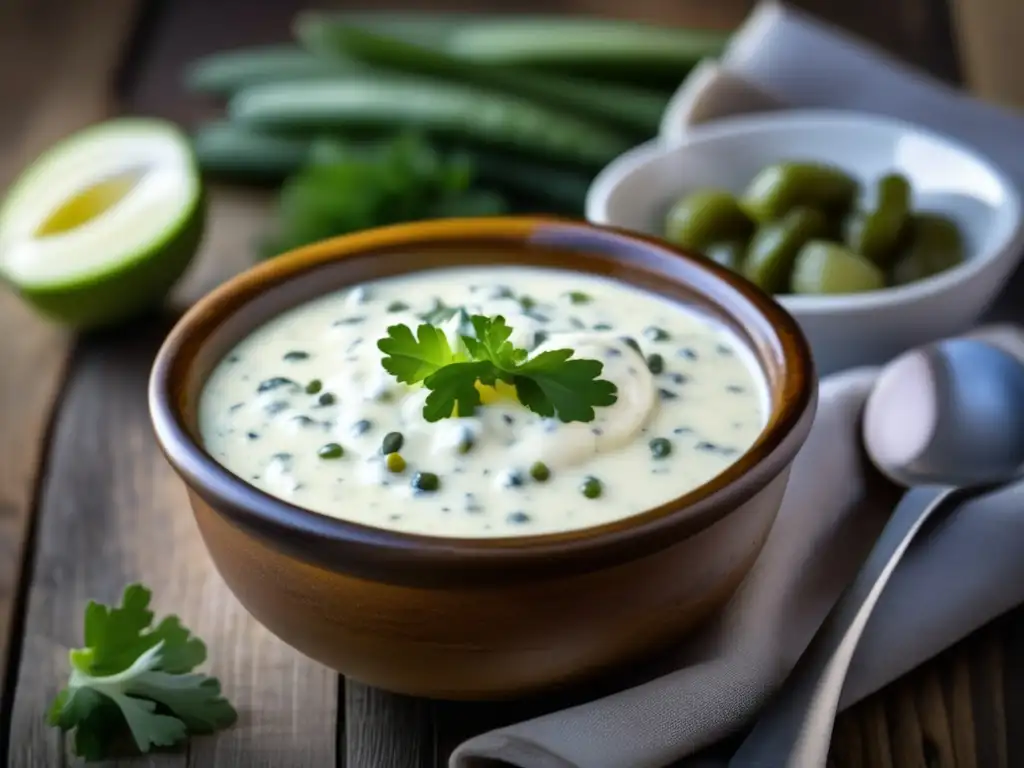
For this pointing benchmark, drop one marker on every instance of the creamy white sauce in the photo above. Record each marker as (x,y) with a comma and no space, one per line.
(312,379)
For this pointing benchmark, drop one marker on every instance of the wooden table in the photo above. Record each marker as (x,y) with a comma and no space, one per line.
(87,504)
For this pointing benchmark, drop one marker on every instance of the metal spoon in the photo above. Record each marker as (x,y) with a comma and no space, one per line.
(947,420)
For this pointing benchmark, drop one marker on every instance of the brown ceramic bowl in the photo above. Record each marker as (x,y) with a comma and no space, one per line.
(493,618)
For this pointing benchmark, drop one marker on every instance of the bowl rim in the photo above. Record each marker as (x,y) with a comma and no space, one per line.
(638,158)
(383,554)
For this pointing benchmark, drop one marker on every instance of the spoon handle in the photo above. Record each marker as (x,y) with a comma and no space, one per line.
(795,729)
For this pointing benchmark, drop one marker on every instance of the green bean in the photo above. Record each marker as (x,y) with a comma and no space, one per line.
(609,49)
(625,108)
(729,253)
(229,150)
(823,267)
(934,245)
(707,216)
(222,74)
(779,188)
(381,102)
(876,234)
(597,47)
(774,247)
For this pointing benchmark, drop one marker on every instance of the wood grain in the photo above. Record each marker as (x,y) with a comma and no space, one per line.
(989,36)
(65,58)
(112,512)
(384,729)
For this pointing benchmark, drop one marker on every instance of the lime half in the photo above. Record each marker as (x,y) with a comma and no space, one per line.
(100,227)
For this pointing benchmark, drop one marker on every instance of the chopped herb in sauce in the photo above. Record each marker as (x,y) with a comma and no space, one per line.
(275,382)
(539,471)
(654,333)
(296,355)
(327,398)
(426,481)
(354,320)
(466,442)
(397,306)
(314,386)
(395,463)
(602,326)
(667,394)
(513,479)
(630,342)
(276,407)
(591,487)
(362,426)
(518,518)
(655,363)
(331,451)
(392,442)
(578,297)
(660,447)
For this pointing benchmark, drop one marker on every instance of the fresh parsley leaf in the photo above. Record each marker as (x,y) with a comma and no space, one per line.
(411,359)
(551,384)
(491,343)
(116,637)
(134,677)
(453,389)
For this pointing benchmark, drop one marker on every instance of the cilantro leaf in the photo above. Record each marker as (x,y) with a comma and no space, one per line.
(551,384)
(136,678)
(411,359)
(491,343)
(453,389)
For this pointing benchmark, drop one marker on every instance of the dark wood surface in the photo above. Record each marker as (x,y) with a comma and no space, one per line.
(87,503)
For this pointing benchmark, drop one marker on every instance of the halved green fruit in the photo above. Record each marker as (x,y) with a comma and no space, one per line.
(99,228)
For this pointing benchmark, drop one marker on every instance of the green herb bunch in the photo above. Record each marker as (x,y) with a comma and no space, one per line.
(343,190)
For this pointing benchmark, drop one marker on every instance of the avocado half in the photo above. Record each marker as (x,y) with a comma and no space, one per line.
(101,226)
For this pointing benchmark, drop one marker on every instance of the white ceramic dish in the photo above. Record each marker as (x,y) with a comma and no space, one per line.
(635,190)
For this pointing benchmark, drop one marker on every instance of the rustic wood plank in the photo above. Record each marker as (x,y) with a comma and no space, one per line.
(936,725)
(386,730)
(957,691)
(989,36)
(905,729)
(62,74)
(1012,637)
(986,664)
(113,512)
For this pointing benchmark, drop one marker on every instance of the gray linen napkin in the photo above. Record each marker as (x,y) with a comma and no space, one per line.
(965,571)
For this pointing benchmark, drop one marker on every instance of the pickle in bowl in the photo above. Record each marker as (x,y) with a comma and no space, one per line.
(810,228)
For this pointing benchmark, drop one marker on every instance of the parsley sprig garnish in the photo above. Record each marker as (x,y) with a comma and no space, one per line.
(133,678)
(551,384)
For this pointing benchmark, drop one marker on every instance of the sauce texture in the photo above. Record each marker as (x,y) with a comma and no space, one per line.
(304,410)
